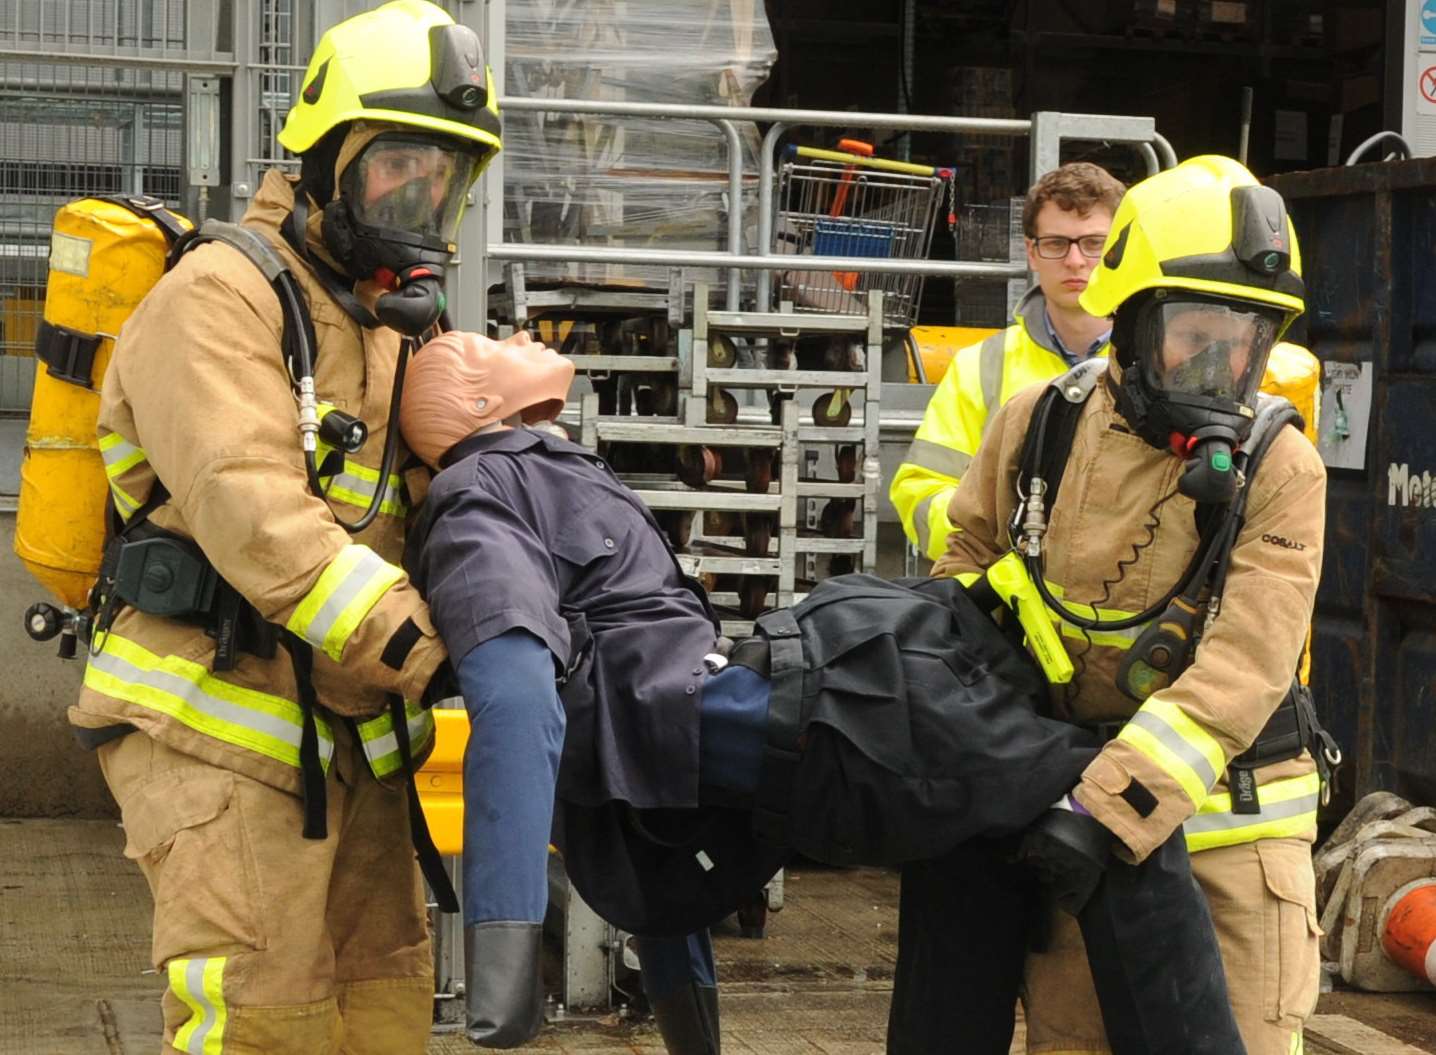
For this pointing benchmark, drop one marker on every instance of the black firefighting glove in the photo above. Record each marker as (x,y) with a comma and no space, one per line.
(1068,850)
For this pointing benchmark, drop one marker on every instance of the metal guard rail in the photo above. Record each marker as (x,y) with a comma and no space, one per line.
(1047,129)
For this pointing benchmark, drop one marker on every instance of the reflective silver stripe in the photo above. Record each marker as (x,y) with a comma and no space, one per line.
(194,979)
(355,490)
(1174,743)
(990,371)
(223,711)
(199,985)
(382,750)
(1270,811)
(926,454)
(117,450)
(368,565)
(124,504)
(920,524)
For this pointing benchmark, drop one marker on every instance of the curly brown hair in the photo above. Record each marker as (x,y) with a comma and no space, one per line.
(1078,186)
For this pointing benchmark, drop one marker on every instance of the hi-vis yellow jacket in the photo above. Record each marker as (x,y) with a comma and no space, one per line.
(1109,544)
(197,395)
(980,379)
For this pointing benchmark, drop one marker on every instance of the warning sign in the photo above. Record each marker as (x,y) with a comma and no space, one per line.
(1426,91)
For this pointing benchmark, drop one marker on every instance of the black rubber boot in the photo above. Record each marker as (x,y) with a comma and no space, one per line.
(1155,960)
(503,983)
(688,1020)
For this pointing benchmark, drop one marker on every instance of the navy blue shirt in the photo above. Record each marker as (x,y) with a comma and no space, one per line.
(525,530)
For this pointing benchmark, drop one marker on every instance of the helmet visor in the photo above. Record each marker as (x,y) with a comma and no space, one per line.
(1208,349)
(410,183)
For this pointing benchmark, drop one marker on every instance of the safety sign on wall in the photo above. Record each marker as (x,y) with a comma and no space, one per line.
(1426,89)
(1345,412)
(1427,29)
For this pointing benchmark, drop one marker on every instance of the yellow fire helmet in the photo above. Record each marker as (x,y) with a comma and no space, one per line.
(1204,227)
(406,63)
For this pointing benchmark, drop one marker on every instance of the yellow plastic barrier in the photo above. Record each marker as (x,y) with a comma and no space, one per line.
(937,345)
(441,780)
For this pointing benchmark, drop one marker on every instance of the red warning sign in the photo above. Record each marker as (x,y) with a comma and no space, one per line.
(1427,84)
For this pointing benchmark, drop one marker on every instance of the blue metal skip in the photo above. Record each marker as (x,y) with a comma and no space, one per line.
(1368,245)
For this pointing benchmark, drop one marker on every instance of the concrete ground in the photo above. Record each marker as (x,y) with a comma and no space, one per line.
(43,772)
(75,976)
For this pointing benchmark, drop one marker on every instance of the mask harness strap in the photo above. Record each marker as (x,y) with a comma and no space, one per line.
(334,284)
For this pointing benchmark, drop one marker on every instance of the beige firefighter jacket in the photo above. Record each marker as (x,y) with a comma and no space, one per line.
(1109,544)
(198,395)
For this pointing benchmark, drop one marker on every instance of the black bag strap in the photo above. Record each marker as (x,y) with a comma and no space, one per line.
(1053,426)
(68,355)
(149,207)
(311,769)
(781,753)
(429,861)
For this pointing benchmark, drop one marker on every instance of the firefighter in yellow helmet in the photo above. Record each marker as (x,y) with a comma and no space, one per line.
(1066,217)
(1200,275)
(258,674)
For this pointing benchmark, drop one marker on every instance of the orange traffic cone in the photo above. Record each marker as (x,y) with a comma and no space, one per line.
(1410,934)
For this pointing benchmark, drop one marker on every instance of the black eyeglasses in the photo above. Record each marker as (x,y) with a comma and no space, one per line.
(1057,246)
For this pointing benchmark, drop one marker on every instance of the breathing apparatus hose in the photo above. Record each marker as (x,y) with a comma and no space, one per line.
(386,462)
(303,371)
(1035,564)
(309,418)
(1213,556)
(1281,416)
(1195,570)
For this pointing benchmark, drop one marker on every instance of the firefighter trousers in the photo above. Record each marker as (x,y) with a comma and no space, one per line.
(1262,897)
(967,919)
(273,943)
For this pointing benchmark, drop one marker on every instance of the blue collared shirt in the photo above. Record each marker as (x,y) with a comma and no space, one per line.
(1062,350)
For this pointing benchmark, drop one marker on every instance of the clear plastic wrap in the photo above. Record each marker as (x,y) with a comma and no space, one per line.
(625,181)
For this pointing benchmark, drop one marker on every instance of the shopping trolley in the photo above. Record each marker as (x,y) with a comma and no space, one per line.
(847,203)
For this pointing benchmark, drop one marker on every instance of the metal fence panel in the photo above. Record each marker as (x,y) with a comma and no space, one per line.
(60,140)
(92,101)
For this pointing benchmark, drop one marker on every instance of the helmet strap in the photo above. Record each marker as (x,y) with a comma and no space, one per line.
(334,283)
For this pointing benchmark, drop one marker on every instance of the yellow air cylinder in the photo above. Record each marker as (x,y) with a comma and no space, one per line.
(104,258)
(1295,373)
